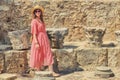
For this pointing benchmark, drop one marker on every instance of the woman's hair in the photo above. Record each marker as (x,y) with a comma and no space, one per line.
(41,16)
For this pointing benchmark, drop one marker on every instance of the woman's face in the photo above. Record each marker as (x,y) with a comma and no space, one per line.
(37,12)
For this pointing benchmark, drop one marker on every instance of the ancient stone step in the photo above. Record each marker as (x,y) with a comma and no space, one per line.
(7,76)
(43,73)
(24,78)
(44,78)
(5,47)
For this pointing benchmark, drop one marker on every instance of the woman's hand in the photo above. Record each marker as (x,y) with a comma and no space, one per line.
(36,42)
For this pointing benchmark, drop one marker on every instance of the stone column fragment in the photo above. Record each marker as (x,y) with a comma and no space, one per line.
(94,36)
(56,36)
(19,39)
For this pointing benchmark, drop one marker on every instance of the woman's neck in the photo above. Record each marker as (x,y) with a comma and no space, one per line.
(38,19)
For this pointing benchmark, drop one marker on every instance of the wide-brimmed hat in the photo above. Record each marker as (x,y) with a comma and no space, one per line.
(37,7)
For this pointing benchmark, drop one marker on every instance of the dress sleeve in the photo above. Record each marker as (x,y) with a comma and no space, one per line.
(34,27)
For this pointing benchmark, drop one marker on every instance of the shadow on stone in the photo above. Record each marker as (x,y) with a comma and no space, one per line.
(109,45)
(5,47)
(69,71)
(70,46)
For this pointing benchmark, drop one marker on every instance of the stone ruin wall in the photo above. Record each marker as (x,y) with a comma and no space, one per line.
(72,14)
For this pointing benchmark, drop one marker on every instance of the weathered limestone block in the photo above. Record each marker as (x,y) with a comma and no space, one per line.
(94,36)
(28,56)
(4,8)
(15,61)
(89,58)
(1,61)
(19,39)
(5,47)
(66,59)
(43,75)
(6,76)
(56,36)
(3,35)
(117,33)
(114,57)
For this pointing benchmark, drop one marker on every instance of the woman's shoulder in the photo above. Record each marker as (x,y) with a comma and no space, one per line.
(33,21)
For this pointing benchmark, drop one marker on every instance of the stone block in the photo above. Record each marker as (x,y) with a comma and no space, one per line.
(94,36)
(114,57)
(15,61)
(19,39)
(66,59)
(7,76)
(4,8)
(43,75)
(1,61)
(89,58)
(5,47)
(56,36)
(44,78)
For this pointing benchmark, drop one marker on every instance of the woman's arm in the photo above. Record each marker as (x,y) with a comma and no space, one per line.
(36,41)
(35,38)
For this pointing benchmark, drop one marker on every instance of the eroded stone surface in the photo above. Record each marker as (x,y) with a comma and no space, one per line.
(7,76)
(91,57)
(43,75)
(5,47)
(94,36)
(15,61)
(117,34)
(56,36)
(66,59)
(4,8)
(1,62)
(19,39)
(114,57)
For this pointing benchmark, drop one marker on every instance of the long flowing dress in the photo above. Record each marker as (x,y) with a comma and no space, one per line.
(42,55)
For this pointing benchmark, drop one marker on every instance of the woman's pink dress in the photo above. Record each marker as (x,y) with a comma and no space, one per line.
(42,55)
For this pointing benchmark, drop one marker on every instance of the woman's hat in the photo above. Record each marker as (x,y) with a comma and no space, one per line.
(37,7)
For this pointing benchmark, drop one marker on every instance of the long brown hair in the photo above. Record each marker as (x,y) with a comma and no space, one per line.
(41,16)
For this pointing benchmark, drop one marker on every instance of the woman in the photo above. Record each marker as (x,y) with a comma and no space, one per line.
(41,54)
